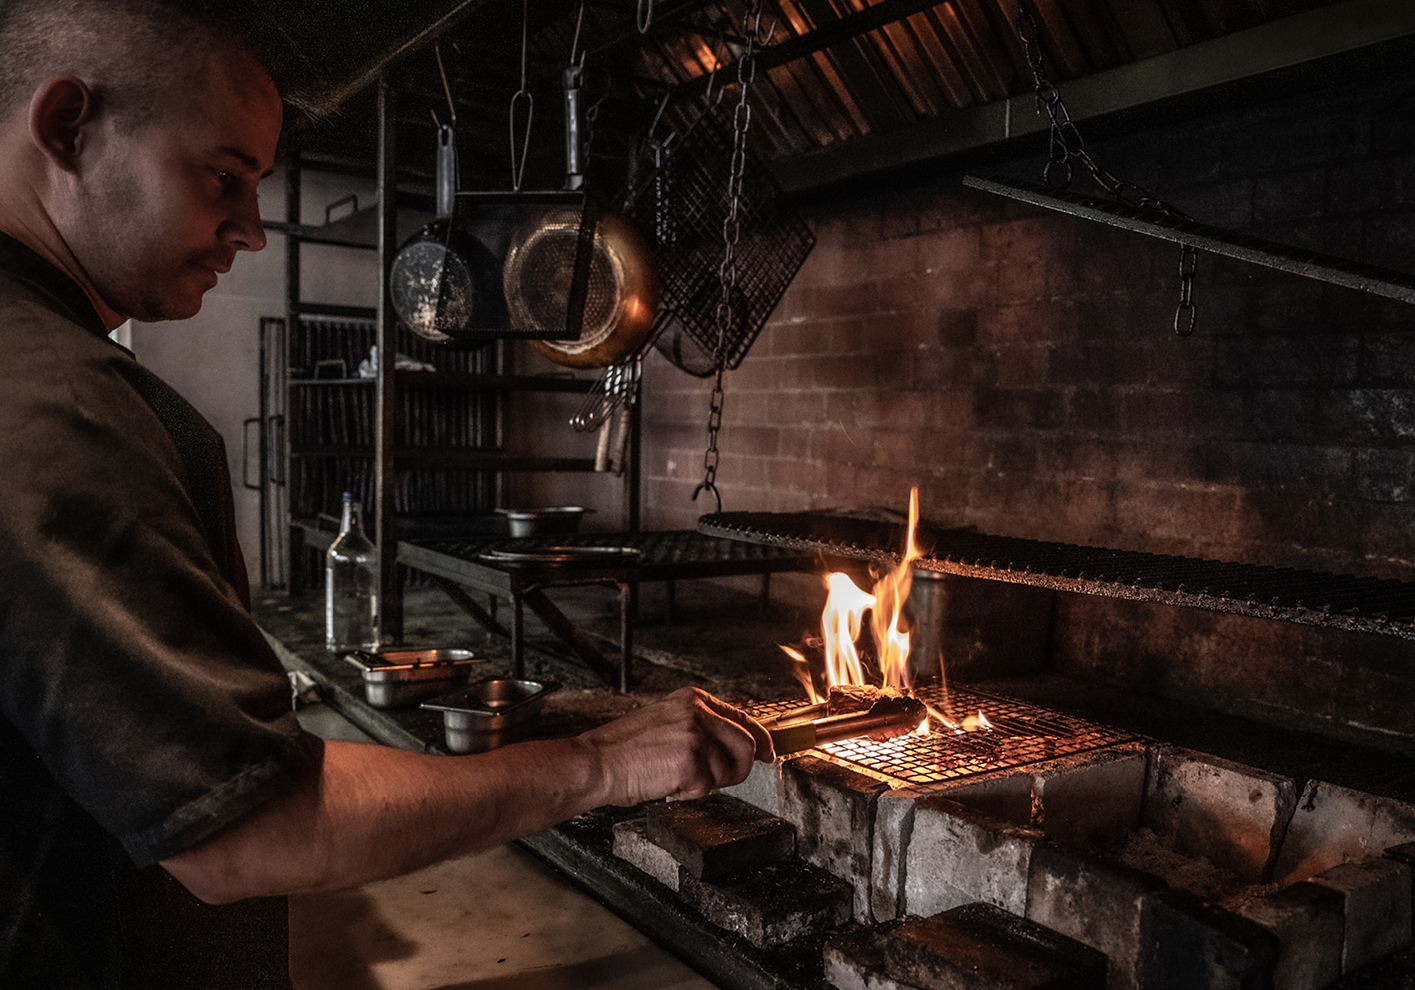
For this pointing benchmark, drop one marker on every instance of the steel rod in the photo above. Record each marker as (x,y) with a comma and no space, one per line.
(1216,240)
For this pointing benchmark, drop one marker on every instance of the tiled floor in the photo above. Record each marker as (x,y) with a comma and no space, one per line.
(497,920)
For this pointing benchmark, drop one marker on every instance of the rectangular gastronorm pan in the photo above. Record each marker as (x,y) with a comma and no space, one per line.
(489,706)
(403,677)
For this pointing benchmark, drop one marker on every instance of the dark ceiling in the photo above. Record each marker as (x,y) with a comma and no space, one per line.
(843,88)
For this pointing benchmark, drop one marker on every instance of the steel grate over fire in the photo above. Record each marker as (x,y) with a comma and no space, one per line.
(1021,735)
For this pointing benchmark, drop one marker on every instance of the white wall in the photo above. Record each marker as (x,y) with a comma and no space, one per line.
(213,358)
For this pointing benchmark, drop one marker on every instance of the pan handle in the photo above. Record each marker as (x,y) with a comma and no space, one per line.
(574,171)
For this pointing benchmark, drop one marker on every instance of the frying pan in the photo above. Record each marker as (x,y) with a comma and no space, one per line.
(621,291)
(445,282)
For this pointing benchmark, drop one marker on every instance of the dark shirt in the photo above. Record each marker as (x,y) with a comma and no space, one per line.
(140,707)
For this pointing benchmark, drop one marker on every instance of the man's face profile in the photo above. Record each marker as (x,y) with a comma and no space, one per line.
(163,207)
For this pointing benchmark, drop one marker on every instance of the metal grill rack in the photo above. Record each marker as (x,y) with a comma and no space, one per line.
(488,565)
(1021,735)
(1307,597)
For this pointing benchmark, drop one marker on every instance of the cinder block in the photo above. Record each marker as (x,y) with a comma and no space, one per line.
(762,788)
(957,855)
(1233,816)
(774,904)
(718,836)
(854,960)
(1097,798)
(1334,825)
(631,844)
(981,947)
(1307,920)
(833,810)
(1007,798)
(1376,895)
(1094,900)
(1405,853)
(893,829)
(1189,942)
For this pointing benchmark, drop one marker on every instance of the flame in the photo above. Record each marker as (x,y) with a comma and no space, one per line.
(843,621)
(976,723)
(801,670)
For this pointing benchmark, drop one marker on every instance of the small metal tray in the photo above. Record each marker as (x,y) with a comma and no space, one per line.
(489,708)
(405,677)
(560,555)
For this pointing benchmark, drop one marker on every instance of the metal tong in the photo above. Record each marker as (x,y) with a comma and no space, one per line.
(796,730)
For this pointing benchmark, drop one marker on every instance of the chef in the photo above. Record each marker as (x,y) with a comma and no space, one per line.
(150,769)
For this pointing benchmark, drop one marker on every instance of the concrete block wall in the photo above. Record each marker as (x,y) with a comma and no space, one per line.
(1020,367)
(1019,364)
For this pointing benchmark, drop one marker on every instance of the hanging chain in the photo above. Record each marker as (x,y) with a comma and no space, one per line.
(731,233)
(1066,146)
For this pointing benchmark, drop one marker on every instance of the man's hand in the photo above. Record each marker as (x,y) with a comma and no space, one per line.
(684,746)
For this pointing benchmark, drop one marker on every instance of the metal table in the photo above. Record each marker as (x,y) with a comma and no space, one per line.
(509,568)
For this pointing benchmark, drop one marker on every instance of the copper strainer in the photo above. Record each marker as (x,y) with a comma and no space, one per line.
(621,297)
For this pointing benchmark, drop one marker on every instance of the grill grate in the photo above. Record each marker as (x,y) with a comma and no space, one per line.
(658,548)
(1023,735)
(1307,597)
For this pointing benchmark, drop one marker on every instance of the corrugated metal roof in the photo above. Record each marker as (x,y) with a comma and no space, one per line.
(829,72)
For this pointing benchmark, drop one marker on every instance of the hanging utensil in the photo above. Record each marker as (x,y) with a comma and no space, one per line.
(588,266)
(444,281)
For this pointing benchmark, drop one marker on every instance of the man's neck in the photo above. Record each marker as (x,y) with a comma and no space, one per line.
(23,217)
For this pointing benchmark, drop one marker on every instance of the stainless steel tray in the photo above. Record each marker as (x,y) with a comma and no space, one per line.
(560,555)
(405,677)
(478,716)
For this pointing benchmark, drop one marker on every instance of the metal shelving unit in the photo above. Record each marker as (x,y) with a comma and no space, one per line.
(411,444)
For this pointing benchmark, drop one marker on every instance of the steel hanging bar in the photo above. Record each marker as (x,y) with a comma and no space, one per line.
(1216,240)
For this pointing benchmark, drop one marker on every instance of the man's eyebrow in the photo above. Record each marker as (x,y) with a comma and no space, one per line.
(251,162)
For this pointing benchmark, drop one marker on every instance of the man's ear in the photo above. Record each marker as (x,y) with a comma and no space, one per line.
(58,113)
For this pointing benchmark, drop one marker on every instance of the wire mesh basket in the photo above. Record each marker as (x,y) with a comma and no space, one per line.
(682,206)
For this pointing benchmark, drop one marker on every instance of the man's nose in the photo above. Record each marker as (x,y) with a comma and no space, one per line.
(244,229)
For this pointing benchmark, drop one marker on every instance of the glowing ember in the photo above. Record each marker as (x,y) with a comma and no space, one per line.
(842,622)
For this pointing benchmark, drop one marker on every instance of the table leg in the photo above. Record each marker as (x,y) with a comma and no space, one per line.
(518,637)
(628,607)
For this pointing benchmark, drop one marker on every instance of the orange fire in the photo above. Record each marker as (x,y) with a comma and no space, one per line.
(843,620)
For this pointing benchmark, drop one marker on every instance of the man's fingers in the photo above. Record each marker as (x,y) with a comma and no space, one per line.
(761,739)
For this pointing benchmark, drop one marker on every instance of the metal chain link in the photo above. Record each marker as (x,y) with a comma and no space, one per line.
(731,234)
(1066,145)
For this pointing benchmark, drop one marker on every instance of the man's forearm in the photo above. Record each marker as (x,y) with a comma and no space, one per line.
(372,812)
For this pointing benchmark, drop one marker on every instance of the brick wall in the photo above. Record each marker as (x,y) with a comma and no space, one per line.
(1020,367)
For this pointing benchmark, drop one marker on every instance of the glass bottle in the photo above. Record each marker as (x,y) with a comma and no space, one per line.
(351,585)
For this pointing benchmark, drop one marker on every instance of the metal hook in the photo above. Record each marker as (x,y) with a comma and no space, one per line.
(662,106)
(643,16)
(442,71)
(575,43)
(762,39)
(708,486)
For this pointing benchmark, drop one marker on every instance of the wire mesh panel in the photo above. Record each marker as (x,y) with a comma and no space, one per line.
(683,206)
(1021,735)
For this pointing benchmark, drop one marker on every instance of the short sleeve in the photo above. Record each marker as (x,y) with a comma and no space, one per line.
(130,663)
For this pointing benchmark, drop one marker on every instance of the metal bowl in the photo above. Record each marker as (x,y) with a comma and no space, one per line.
(479,716)
(554,519)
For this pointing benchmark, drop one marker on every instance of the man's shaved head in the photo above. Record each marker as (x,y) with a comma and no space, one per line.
(134,52)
